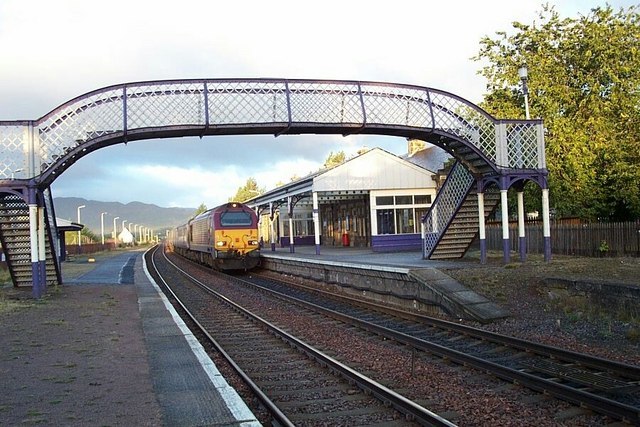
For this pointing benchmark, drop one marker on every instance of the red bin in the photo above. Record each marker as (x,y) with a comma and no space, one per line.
(345,239)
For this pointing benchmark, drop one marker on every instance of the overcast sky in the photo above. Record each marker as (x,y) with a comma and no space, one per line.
(52,51)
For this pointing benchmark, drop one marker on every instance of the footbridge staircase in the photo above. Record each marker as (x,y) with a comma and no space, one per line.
(15,237)
(451,226)
(35,152)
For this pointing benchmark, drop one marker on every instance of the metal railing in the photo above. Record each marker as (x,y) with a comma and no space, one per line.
(157,109)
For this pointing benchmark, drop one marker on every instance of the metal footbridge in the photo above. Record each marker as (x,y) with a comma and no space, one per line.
(489,152)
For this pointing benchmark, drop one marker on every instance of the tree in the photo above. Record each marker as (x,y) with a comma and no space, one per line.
(88,236)
(200,209)
(334,160)
(584,81)
(248,191)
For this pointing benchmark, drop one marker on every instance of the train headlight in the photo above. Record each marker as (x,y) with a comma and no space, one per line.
(253,243)
(221,243)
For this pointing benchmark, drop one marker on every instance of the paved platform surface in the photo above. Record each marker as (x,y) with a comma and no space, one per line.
(108,349)
(404,259)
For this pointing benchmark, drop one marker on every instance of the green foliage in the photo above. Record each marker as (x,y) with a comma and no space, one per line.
(200,209)
(334,160)
(584,81)
(604,247)
(88,236)
(247,191)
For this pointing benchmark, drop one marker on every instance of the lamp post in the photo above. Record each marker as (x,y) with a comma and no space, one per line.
(115,232)
(102,226)
(123,222)
(523,73)
(79,232)
(136,230)
(133,234)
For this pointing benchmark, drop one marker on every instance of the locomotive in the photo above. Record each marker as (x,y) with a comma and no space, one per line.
(224,238)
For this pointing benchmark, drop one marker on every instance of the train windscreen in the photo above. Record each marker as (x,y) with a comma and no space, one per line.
(234,219)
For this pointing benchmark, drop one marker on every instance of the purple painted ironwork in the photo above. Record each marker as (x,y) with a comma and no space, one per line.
(160,109)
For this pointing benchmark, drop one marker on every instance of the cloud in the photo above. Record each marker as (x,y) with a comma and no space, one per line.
(54,51)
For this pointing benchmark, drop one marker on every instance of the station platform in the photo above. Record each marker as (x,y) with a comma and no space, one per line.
(364,256)
(115,353)
(399,278)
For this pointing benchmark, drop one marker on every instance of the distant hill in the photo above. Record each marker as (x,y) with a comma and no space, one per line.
(152,216)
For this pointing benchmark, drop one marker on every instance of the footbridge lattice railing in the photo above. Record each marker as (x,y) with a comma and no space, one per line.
(46,146)
(34,152)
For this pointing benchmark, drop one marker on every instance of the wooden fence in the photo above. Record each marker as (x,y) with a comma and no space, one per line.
(587,239)
(89,248)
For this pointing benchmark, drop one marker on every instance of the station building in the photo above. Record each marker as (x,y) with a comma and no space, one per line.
(374,200)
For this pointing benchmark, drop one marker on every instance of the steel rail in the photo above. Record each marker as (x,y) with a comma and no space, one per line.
(622,369)
(268,403)
(599,404)
(401,403)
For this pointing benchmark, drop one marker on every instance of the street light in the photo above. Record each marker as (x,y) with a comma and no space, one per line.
(133,235)
(79,232)
(123,221)
(136,232)
(523,73)
(115,232)
(102,226)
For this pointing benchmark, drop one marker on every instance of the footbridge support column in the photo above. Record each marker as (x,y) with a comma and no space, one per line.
(272,223)
(292,248)
(522,240)
(316,222)
(481,228)
(505,225)
(546,224)
(38,249)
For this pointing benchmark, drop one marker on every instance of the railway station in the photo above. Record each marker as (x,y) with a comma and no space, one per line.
(374,200)
(491,156)
(378,228)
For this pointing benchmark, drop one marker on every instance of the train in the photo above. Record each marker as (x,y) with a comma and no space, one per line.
(224,238)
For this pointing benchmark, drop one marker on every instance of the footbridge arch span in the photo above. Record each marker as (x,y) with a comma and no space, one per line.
(36,152)
(42,149)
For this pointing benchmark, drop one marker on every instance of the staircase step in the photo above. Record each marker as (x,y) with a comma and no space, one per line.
(462,230)
(16,240)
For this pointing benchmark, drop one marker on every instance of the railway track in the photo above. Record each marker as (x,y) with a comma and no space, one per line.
(298,384)
(604,386)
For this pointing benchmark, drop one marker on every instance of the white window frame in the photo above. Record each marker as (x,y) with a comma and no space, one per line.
(407,192)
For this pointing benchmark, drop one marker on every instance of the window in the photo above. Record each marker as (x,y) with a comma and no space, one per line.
(404,219)
(422,199)
(384,200)
(231,219)
(386,221)
(302,224)
(404,200)
(420,212)
(401,214)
